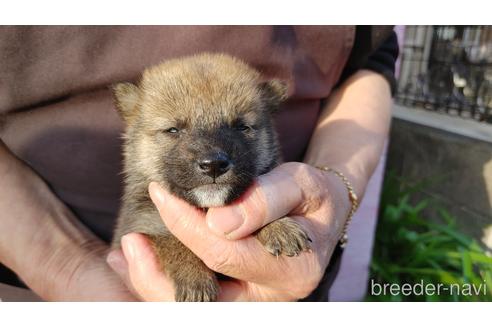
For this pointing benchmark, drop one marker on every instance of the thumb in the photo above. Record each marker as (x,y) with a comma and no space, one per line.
(144,273)
(187,223)
(117,261)
(271,197)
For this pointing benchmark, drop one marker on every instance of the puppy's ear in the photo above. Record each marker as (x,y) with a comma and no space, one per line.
(274,93)
(126,98)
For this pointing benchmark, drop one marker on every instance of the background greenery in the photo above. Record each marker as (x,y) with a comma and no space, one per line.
(418,241)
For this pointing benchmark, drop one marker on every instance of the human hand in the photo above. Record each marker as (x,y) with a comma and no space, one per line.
(43,242)
(68,266)
(222,237)
(83,275)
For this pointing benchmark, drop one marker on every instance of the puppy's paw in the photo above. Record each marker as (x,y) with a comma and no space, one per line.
(284,236)
(193,289)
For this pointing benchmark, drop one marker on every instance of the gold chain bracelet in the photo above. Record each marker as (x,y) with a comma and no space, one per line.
(354,200)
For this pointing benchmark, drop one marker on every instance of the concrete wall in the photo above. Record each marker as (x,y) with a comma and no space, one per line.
(460,166)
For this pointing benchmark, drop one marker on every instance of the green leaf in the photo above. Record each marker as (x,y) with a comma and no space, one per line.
(411,246)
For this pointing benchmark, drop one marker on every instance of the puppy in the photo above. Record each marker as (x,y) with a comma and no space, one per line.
(201,127)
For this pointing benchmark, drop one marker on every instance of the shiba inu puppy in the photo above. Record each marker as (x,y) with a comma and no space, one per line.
(201,127)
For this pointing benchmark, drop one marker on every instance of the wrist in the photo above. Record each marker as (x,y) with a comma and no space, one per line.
(64,249)
(356,173)
(339,197)
(54,273)
(352,196)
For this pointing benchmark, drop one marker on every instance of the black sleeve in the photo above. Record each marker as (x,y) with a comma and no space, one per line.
(382,60)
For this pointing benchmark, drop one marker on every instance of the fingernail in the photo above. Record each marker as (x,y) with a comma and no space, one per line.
(156,193)
(224,221)
(128,248)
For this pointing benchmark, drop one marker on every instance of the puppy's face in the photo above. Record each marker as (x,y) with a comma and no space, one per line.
(201,126)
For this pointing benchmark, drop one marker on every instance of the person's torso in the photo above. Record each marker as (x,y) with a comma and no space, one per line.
(59,115)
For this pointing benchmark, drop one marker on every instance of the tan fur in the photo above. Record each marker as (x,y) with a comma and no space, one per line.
(208,91)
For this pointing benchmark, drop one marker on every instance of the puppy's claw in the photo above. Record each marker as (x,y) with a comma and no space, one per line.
(197,291)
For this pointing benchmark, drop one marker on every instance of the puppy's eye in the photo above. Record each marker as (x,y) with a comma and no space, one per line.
(242,127)
(172,130)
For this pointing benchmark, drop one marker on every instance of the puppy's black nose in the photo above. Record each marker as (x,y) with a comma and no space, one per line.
(214,165)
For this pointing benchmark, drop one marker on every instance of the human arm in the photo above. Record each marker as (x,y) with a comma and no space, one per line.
(42,241)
